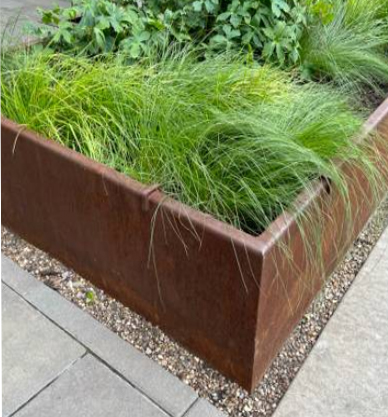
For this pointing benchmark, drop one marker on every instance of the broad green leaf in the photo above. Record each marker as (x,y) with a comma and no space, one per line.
(135,50)
(219,39)
(268,49)
(235,20)
(197,6)
(280,53)
(144,36)
(99,37)
(223,16)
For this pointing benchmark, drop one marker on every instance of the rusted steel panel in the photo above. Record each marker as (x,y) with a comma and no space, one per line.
(290,283)
(166,261)
(229,297)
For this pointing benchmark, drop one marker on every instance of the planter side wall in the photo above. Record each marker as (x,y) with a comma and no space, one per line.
(101,224)
(229,297)
(292,285)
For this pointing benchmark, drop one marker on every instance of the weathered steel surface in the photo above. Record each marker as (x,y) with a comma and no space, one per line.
(174,265)
(230,297)
(290,283)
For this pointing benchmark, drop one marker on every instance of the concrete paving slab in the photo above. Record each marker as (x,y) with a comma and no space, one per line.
(202,408)
(26,9)
(34,352)
(166,390)
(90,389)
(346,375)
(14,15)
(16,278)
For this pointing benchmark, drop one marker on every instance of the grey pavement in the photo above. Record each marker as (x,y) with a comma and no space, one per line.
(18,12)
(31,342)
(58,361)
(346,374)
(90,389)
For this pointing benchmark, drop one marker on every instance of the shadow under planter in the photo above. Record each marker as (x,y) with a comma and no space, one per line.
(230,297)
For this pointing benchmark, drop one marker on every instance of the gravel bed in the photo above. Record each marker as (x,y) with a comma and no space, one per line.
(210,384)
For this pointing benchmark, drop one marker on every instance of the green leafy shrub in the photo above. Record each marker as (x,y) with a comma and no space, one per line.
(100,26)
(232,139)
(268,28)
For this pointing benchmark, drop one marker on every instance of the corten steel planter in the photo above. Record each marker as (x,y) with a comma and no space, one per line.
(230,297)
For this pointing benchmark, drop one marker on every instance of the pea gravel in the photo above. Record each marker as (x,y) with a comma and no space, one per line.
(210,384)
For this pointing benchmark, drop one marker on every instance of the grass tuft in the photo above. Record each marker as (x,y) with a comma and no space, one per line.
(232,139)
(351,48)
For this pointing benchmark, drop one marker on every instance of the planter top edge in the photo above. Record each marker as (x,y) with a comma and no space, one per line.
(150,193)
(261,243)
(280,226)
(377,116)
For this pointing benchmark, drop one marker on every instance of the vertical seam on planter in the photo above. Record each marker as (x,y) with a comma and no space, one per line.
(145,194)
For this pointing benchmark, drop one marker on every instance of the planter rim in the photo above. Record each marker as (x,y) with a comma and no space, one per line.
(151,192)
